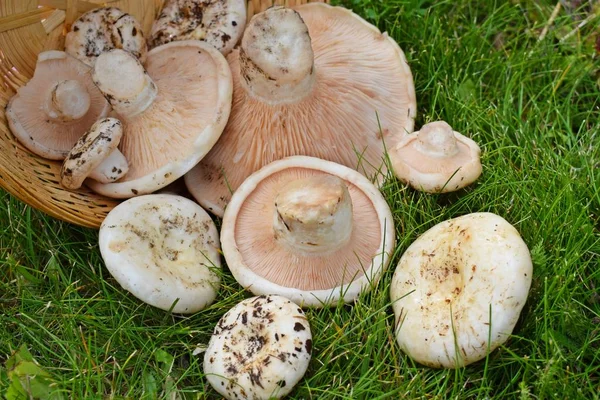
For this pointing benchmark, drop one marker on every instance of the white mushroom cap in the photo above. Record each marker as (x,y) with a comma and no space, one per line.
(449,280)
(436,159)
(163,249)
(260,349)
(220,23)
(308,229)
(58,105)
(173,113)
(104,29)
(95,155)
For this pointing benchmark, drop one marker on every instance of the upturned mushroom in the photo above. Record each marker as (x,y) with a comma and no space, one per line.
(459,289)
(95,155)
(316,81)
(173,111)
(163,249)
(260,349)
(217,22)
(104,29)
(436,159)
(311,230)
(58,105)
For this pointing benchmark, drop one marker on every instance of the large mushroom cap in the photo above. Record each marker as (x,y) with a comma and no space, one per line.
(260,349)
(450,279)
(164,249)
(436,159)
(360,82)
(103,29)
(58,105)
(308,229)
(172,116)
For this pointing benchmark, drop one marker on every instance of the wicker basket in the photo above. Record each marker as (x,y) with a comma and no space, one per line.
(26,29)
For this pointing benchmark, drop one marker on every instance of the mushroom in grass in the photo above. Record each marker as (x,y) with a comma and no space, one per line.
(217,22)
(458,290)
(58,105)
(104,29)
(260,349)
(311,230)
(318,81)
(164,249)
(173,112)
(436,159)
(95,155)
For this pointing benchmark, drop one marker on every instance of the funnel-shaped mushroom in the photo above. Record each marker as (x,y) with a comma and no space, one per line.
(104,29)
(217,22)
(308,229)
(260,349)
(173,112)
(319,82)
(458,290)
(436,159)
(58,105)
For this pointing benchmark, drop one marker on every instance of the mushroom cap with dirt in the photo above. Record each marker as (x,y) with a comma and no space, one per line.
(56,107)
(163,249)
(459,289)
(316,81)
(173,111)
(436,159)
(311,230)
(260,349)
(95,155)
(217,22)
(103,29)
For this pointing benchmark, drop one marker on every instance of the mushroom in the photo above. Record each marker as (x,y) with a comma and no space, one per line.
(319,81)
(60,102)
(173,112)
(311,230)
(458,290)
(95,155)
(163,249)
(436,159)
(217,22)
(260,349)
(104,29)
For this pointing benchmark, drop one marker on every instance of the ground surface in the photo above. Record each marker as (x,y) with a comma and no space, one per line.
(533,105)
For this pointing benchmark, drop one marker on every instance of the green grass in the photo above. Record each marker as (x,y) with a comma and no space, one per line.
(534,107)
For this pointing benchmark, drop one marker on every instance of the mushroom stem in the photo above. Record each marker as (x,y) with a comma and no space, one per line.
(68,100)
(124,82)
(276,57)
(437,140)
(111,169)
(313,216)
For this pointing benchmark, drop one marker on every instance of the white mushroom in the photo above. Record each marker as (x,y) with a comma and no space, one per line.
(95,155)
(220,23)
(164,249)
(260,349)
(436,159)
(104,29)
(458,290)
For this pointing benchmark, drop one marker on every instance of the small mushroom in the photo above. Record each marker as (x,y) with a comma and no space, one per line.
(308,229)
(260,349)
(173,112)
(164,249)
(95,155)
(316,81)
(458,290)
(436,159)
(104,29)
(58,105)
(217,22)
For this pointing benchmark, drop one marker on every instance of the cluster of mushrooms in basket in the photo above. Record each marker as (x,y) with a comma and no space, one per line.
(275,125)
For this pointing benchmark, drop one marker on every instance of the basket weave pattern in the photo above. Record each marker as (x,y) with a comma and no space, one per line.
(28,27)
